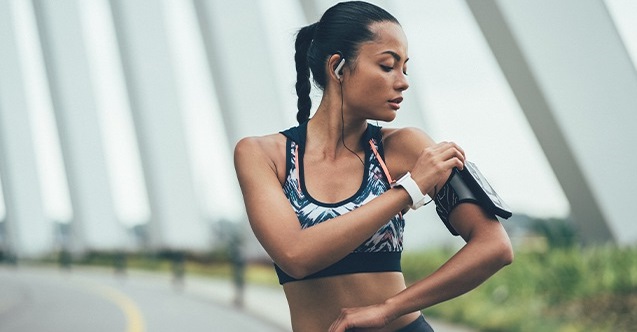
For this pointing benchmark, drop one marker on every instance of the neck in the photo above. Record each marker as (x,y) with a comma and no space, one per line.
(329,129)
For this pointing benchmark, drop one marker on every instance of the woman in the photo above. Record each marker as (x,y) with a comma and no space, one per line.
(319,196)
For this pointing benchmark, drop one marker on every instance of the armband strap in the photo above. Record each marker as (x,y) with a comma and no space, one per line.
(450,195)
(470,186)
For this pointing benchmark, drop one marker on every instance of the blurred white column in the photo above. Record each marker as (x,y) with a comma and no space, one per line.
(573,77)
(175,222)
(241,59)
(29,233)
(95,225)
(241,63)
(281,21)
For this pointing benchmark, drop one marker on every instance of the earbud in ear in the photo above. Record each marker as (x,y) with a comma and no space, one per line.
(337,71)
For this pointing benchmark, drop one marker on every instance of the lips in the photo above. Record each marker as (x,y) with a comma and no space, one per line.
(395,103)
(397,100)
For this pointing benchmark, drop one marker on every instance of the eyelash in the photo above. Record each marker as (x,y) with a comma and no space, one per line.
(388,69)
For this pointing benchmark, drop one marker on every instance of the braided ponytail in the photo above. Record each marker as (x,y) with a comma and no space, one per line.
(303,85)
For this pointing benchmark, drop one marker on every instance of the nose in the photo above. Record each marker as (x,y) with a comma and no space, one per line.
(402,83)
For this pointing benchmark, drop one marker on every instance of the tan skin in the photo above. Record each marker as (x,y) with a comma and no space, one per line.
(364,301)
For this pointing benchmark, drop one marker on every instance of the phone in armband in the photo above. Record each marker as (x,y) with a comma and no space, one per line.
(468,185)
(483,191)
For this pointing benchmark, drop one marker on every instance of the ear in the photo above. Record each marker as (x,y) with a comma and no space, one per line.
(336,63)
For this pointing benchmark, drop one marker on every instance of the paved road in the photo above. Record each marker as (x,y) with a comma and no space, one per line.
(50,300)
(46,299)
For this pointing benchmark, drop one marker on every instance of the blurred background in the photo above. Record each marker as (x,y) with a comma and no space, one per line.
(118,120)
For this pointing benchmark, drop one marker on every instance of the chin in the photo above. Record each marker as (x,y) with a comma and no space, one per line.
(387,117)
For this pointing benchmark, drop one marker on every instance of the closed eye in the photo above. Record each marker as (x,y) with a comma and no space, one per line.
(387,68)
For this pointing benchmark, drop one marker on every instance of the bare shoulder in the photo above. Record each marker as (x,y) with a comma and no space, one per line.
(261,150)
(408,140)
(260,144)
(402,148)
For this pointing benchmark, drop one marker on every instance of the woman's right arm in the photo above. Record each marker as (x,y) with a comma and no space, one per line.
(301,252)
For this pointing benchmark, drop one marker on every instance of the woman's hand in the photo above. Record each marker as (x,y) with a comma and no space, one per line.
(433,166)
(430,163)
(374,316)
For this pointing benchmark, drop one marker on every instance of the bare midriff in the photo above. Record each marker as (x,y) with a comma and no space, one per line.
(316,303)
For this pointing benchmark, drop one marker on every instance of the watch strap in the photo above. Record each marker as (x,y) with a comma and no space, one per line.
(408,183)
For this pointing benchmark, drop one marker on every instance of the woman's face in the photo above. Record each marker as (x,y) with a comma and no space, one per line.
(373,90)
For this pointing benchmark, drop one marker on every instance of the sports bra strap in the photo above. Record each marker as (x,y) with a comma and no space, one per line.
(380,161)
(296,168)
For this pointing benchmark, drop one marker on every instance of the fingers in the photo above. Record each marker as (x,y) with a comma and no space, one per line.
(435,163)
(442,157)
(374,316)
(339,324)
(450,151)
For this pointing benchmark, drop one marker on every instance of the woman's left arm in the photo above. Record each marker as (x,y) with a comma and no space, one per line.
(487,250)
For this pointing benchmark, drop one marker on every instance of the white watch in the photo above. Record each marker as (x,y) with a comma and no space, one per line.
(417,197)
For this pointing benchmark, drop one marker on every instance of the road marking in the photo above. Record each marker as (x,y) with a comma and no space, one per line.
(133,315)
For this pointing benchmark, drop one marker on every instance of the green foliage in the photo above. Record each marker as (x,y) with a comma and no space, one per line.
(559,233)
(561,289)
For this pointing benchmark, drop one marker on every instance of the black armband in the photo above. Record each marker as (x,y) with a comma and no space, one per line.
(468,186)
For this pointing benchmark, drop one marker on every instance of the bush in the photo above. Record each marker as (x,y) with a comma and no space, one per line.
(562,289)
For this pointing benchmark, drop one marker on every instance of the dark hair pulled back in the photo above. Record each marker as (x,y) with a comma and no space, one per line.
(342,28)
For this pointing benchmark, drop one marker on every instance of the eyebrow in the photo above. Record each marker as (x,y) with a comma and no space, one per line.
(394,55)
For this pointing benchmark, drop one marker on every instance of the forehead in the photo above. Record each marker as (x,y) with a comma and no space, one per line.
(389,37)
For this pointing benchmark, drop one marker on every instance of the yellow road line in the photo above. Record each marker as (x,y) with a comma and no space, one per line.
(134,318)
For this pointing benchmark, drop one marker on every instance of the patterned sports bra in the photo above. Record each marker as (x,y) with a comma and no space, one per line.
(382,251)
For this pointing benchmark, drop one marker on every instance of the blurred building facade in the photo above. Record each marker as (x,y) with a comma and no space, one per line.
(146,99)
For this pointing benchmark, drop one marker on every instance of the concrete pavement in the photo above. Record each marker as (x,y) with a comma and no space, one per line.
(36,299)
(203,296)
